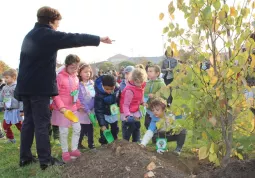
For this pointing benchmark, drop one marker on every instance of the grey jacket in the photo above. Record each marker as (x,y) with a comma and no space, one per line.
(168,63)
(7,93)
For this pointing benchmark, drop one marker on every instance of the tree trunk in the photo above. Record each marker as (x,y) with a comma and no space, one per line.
(227,134)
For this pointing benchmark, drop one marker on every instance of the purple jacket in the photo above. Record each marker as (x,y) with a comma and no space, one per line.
(87,95)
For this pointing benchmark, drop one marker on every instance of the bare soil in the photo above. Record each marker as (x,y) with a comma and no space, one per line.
(123,159)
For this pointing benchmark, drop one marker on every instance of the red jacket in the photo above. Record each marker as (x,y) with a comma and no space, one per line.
(137,99)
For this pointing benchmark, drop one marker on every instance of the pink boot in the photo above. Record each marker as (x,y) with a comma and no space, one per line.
(75,153)
(66,157)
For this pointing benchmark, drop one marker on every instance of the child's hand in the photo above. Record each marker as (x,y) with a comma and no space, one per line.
(150,95)
(62,110)
(21,114)
(80,110)
(103,128)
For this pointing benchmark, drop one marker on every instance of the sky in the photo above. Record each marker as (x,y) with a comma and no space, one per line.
(134,24)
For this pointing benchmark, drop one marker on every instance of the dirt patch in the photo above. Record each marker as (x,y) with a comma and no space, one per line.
(237,169)
(122,160)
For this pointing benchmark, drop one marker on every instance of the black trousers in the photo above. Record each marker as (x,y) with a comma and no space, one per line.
(36,122)
(179,138)
(87,129)
(131,128)
(114,130)
(54,131)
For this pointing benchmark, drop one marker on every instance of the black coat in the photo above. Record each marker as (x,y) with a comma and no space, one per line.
(103,101)
(37,69)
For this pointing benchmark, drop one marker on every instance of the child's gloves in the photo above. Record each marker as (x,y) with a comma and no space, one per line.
(147,137)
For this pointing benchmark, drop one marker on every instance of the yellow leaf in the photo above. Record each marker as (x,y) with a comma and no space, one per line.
(161,16)
(212,148)
(203,153)
(204,135)
(230,73)
(253,5)
(240,156)
(253,61)
(214,80)
(212,157)
(232,11)
(172,16)
(218,92)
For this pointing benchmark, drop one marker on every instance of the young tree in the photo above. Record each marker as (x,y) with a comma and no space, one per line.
(219,34)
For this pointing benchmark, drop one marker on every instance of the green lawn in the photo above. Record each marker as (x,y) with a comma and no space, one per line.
(9,154)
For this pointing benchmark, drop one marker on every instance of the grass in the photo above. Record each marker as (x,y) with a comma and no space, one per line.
(9,154)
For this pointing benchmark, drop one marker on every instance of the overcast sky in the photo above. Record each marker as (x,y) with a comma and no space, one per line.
(134,24)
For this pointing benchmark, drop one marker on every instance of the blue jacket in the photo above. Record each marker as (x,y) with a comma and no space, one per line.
(153,122)
(37,68)
(103,101)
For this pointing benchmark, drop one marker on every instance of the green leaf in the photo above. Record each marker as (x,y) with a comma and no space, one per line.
(216,5)
(171,8)
(225,8)
(165,30)
(186,42)
(207,12)
(195,39)
(203,153)
(212,157)
(190,21)
(212,148)
(171,26)
(181,31)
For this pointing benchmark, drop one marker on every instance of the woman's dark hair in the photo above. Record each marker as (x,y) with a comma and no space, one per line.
(46,14)
(108,80)
(83,66)
(71,59)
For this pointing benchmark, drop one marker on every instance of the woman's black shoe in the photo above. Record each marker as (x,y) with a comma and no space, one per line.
(53,162)
(23,163)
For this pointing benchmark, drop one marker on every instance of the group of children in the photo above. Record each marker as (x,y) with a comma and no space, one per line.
(85,97)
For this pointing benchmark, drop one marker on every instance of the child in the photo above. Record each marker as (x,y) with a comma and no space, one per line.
(86,97)
(106,97)
(127,71)
(13,109)
(131,98)
(152,87)
(68,85)
(160,124)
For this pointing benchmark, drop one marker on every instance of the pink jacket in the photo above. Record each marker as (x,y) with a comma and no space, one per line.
(66,84)
(131,98)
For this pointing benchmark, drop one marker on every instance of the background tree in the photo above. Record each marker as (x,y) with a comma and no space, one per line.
(106,66)
(213,98)
(3,66)
(126,63)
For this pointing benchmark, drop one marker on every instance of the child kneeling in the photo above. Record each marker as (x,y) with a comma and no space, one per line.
(160,124)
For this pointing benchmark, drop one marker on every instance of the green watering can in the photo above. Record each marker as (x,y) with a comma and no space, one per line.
(108,136)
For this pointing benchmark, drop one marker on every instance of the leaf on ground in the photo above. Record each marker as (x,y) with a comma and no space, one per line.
(203,153)
(151,166)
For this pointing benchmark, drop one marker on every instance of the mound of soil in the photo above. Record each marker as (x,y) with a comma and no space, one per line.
(237,169)
(122,159)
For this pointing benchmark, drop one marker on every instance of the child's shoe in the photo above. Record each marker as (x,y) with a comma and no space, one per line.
(75,153)
(81,147)
(92,146)
(177,152)
(11,141)
(66,157)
